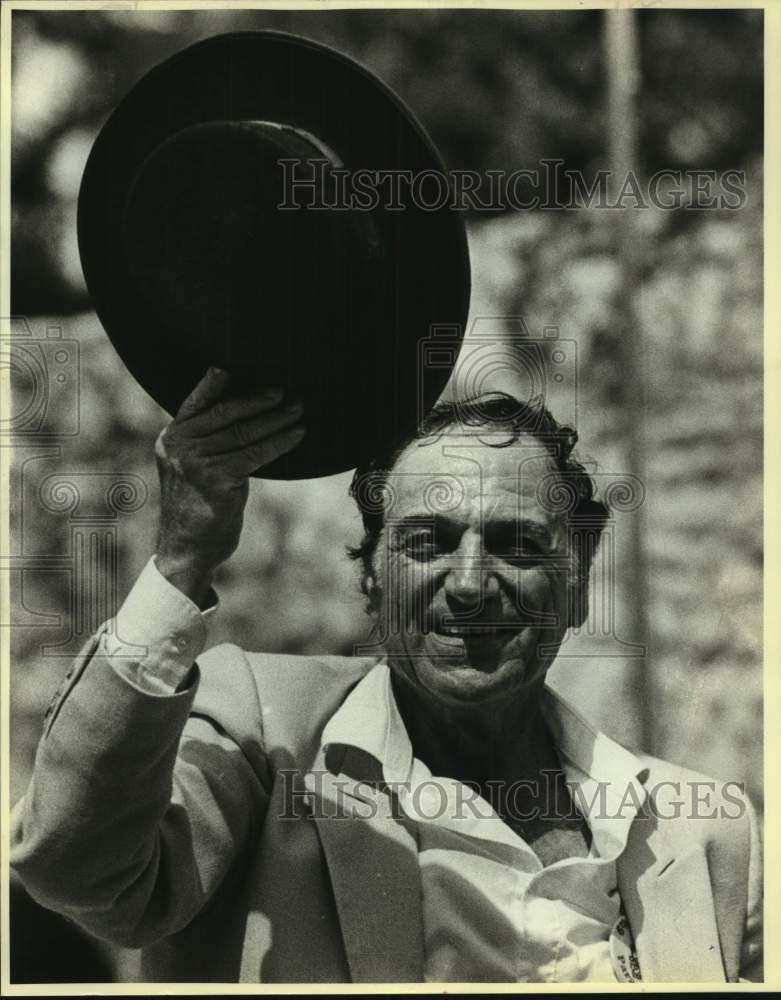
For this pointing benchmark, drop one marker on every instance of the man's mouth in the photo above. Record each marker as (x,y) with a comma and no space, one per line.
(468,631)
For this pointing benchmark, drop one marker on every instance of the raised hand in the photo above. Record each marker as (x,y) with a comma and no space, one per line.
(204,459)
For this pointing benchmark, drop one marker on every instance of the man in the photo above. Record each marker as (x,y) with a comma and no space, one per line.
(436,813)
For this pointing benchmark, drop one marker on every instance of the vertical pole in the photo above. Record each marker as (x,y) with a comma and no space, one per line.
(621,53)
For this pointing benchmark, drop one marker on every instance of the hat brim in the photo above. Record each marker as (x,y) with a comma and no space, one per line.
(377,385)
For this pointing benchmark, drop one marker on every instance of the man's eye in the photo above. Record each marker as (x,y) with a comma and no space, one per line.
(420,544)
(524,553)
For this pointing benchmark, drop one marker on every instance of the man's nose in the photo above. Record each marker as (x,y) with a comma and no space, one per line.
(470,582)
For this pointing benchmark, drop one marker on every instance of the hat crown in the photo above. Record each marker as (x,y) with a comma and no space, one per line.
(210,252)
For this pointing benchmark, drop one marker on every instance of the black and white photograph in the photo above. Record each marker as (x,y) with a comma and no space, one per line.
(383,444)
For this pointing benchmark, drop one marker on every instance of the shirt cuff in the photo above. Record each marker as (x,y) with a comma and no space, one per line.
(157,634)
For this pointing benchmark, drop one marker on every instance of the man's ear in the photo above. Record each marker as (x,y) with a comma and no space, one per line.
(373,569)
(371,585)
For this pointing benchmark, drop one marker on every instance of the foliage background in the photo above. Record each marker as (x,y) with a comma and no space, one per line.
(496,90)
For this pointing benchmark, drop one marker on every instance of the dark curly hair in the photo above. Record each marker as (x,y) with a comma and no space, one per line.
(586,516)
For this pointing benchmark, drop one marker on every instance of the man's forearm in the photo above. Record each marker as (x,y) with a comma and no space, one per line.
(86,832)
(109,806)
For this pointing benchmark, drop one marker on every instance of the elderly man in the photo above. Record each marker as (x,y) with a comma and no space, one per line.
(434,814)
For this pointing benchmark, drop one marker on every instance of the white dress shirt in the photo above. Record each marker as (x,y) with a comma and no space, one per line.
(491,911)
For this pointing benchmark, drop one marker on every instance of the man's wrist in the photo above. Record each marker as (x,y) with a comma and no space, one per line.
(157,634)
(193,580)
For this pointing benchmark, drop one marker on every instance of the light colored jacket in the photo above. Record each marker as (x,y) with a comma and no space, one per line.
(186,826)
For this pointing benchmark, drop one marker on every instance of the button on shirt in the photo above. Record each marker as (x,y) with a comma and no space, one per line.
(491,911)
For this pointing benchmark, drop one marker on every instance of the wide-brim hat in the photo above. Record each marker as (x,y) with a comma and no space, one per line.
(191,261)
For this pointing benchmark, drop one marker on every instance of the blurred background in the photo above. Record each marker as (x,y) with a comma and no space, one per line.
(497,90)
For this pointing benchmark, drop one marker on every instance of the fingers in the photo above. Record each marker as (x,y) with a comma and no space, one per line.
(225,412)
(247,460)
(245,433)
(218,413)
(206,393)
(236,435)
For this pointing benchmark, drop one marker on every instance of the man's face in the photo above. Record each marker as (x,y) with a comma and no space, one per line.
(474,569)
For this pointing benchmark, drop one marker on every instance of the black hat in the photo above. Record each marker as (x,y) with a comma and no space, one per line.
(191,261)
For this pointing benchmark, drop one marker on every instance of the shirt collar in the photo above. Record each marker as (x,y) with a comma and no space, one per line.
(589,749)
(369,720)
(609,776)
(605,778)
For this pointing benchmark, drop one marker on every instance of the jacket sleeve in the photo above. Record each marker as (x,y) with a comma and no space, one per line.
(751,954)
(139,804)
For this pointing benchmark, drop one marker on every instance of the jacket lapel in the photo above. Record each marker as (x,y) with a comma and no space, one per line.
(373,865)
(667,897)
